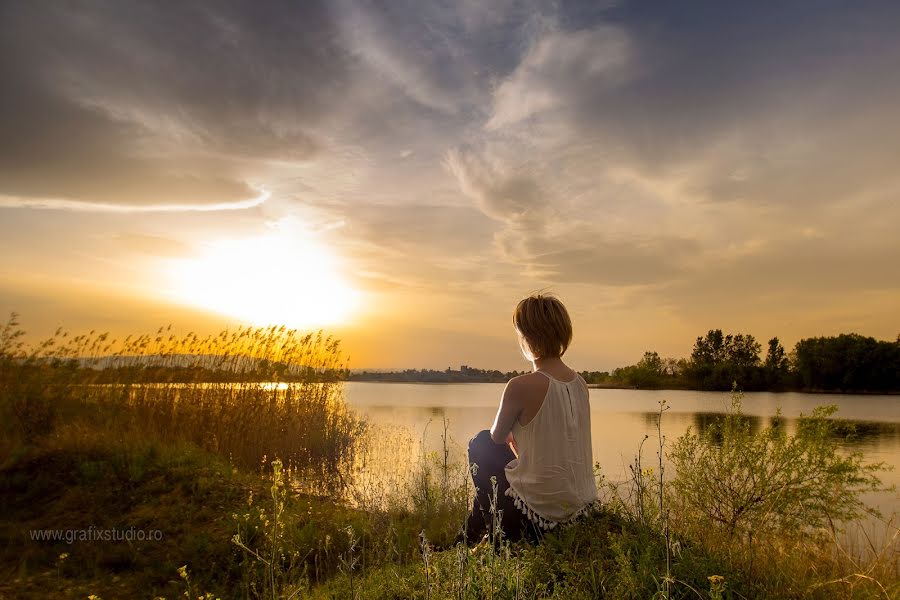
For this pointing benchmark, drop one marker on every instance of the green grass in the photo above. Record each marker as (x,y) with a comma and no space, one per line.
(196,499)
(106,482)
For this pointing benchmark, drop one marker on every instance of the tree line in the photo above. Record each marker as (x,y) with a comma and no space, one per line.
(842,363)
(465,374)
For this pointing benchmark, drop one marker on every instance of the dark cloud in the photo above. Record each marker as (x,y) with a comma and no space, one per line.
(684,137)
(160,104)
(770,98)
(708,69)
(444,56)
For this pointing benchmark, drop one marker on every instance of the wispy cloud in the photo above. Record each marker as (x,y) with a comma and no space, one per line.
(100,207)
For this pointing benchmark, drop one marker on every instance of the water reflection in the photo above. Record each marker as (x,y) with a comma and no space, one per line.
(857,434)
(868,433)
(708,423)
(621,418)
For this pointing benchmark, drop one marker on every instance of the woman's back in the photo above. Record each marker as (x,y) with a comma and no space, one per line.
(552,480)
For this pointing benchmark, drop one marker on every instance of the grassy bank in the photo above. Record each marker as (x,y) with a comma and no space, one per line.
(262,491)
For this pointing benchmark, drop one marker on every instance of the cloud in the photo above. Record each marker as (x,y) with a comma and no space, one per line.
(414,246)
(189,204)
(678,148)
(582,255)
(695,95)
(552,236)
(442,56)
(403,46)
(581,63)
(504,196)
(151,106)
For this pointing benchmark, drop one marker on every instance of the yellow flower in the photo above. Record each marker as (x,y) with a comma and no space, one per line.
(64,556)
(182,571)
(716,579)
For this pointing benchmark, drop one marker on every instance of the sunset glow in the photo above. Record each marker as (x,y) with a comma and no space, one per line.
(277,278)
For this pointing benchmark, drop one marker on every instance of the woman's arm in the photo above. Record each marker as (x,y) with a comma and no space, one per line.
(512,444)
(507,413)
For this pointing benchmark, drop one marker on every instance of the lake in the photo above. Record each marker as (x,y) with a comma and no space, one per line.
(621,418)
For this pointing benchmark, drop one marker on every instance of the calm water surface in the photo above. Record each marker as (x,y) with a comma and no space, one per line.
(621,418)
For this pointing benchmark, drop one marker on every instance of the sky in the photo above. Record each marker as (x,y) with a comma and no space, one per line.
(402,173)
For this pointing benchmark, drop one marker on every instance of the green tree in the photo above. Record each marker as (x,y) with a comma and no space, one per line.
(848,362)
(709,350)
(742,351)
(647,373)
(776,364)
(718,360)
(651,363)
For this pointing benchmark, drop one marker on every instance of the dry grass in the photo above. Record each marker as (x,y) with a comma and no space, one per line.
(247,395)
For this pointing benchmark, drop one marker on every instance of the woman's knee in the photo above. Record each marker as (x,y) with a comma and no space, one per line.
(479,441)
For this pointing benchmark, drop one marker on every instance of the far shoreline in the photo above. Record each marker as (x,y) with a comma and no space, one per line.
(600,386)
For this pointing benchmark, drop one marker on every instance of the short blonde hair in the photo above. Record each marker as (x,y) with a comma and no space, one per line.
(544,323)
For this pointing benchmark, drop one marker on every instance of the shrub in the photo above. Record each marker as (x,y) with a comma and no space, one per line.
(734,485)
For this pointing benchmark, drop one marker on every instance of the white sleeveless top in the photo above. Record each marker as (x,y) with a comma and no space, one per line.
(552,481)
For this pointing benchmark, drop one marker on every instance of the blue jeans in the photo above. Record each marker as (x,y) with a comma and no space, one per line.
(491,460)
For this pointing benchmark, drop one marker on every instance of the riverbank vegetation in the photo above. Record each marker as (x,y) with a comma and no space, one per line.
(261,490)
(847,363)
(465,374)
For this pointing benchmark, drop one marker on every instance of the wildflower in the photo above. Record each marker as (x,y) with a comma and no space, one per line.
(182,572)
(63,556)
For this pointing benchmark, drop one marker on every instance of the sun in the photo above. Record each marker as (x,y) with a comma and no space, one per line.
(285,277)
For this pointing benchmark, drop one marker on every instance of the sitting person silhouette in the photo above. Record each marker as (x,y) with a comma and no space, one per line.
(539,448)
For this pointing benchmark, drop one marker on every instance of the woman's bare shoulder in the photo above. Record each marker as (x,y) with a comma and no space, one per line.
(528,385)
(527,380)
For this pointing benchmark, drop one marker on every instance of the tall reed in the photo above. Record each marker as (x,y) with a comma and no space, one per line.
(246,394)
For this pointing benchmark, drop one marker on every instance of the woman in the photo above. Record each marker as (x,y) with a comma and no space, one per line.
(539,448)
